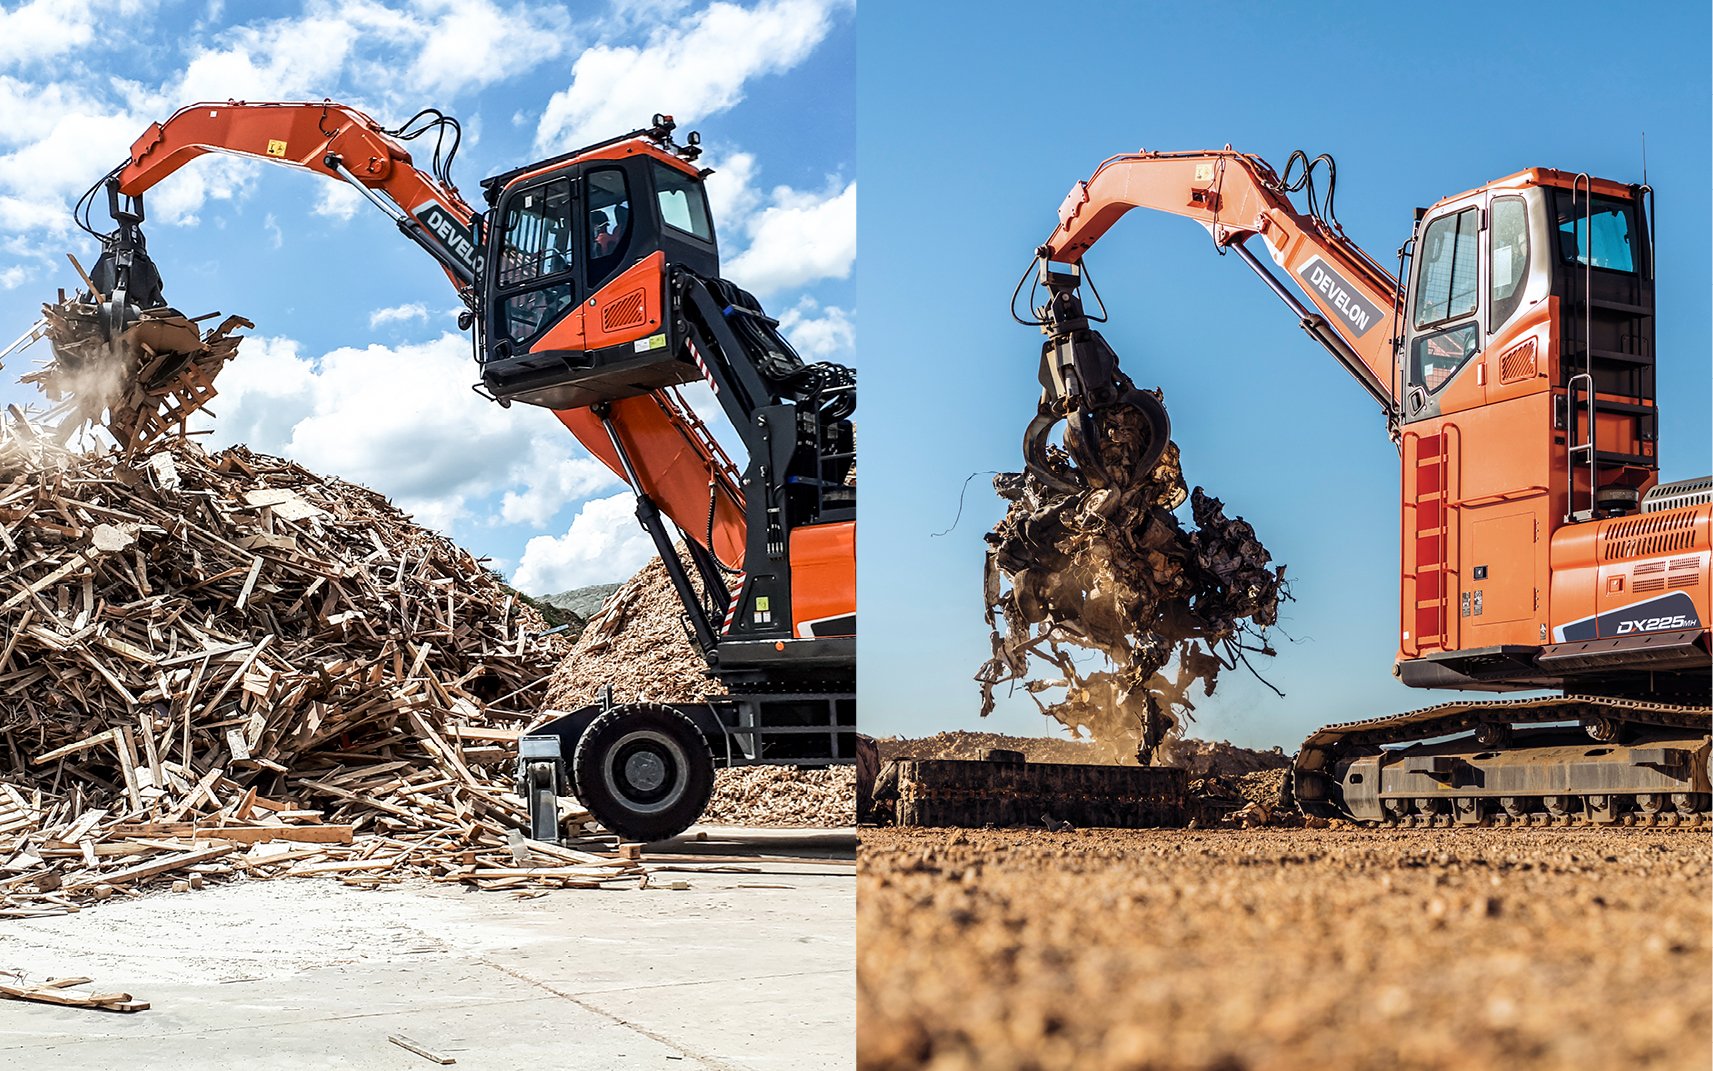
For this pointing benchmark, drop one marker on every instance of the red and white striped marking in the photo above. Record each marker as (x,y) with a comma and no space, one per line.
(732,609)
(694,352)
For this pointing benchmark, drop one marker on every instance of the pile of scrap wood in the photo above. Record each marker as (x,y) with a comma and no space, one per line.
(224,665)
(144,384)
(638,642)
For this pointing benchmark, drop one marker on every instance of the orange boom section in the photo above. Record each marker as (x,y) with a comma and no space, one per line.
(679,466)
(330,139)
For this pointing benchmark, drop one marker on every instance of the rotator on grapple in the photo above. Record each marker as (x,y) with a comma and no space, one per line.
(1081,384)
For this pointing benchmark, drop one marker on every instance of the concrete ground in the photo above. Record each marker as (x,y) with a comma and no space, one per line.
(751,971)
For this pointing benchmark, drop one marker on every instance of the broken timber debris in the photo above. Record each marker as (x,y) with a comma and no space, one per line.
(142,386)
(222,665)
(59,991)
(1109,567)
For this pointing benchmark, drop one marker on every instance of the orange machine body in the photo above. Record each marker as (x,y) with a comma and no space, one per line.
(618,323)
(823,561)
(1517,373)
(1525,525)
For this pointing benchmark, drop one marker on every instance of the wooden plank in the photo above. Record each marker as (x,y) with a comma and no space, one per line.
(155,868)
(426,1053)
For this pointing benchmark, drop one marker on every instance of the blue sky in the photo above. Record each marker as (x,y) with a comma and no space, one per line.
(965,162)
(357,368)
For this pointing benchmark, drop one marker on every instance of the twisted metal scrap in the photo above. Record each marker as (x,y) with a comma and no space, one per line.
(1110,568)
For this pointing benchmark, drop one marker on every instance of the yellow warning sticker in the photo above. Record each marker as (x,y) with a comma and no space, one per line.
(1204,173)
(652,342)
(761,602)
(276,147)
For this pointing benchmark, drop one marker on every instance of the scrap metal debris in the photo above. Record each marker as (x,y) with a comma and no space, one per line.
(143,384)
(1109,567)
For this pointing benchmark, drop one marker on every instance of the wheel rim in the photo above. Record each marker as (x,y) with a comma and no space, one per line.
(646,771)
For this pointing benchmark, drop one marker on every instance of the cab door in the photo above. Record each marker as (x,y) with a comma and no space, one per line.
(534,268)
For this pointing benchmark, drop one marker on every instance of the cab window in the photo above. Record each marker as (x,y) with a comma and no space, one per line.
(1597,234)
(683,203)
(1446,286)
(1435,358)
(536,239)
(1508,258)
(535,258)
(609,223)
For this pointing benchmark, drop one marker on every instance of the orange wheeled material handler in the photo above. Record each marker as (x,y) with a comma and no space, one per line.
(591,281)
(1512,355)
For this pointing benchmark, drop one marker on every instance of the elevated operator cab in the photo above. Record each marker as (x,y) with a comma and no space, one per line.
(1542,282)
(579,252)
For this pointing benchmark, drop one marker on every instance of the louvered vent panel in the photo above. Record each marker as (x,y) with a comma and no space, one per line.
(623,312)
(1518,362)
(1644,536)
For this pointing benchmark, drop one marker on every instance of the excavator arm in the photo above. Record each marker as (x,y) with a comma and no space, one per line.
(654,441)
(332,140)
(1351,305)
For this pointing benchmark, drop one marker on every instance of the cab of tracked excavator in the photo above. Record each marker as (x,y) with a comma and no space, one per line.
(1540,286)
(1491,267)
(580,255)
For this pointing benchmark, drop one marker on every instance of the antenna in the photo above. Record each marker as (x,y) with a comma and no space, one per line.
(1644,158)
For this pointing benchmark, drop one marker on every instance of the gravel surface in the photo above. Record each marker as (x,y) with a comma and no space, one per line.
(1275,949)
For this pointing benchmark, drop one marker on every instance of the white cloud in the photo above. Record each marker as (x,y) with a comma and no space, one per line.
(731,190)
(337,200)
(44,29)
(271,224)
(798,239)
(468,44)
(691,70)
(557,474)
(398,314)
(604,543)
(14,277)
(819,334)
(404,421)
(61,136)
(400,420)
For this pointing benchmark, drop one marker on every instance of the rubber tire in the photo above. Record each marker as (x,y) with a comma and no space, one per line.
(690,782)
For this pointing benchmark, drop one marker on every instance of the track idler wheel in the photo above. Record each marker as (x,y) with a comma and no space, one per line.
(1493,734)
(1602,730)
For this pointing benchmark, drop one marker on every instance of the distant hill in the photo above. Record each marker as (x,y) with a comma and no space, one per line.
(581,601)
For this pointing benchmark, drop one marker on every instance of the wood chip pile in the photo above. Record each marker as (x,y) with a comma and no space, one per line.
(637,642)
(783,796)
(224,665)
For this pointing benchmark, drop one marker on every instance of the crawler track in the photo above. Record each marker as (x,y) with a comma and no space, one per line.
(1616,762)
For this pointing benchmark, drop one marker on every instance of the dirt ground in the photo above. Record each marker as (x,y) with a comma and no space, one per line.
(1280,949)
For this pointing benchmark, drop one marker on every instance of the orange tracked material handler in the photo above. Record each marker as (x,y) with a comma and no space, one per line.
(1512,355)
(591,282)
